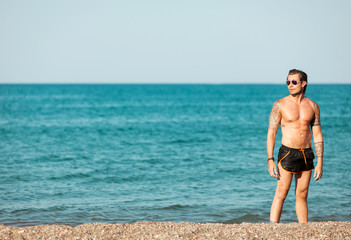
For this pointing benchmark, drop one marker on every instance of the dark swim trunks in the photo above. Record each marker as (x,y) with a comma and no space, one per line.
(296,160)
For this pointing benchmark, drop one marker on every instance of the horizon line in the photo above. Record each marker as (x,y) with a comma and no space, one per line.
(159,83)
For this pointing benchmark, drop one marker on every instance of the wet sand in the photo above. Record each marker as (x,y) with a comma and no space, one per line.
(185,230)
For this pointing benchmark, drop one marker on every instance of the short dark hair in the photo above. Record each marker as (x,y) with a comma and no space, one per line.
(303,76)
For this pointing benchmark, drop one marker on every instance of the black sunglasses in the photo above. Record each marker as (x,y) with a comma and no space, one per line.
(293,82)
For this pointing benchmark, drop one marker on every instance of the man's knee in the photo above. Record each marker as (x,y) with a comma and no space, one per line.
(281,194)
(301,193)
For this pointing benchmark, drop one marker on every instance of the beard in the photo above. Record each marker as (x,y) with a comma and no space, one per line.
(297,93)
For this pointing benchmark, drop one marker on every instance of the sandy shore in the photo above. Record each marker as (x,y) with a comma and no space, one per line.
(152,230)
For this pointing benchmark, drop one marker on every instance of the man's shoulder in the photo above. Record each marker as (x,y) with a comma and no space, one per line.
(280,104)
(282,100)
(311,102)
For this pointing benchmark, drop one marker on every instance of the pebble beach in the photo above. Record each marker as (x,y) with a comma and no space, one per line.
(184,230)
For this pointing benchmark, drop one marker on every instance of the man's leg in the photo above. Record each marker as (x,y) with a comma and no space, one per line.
(283,186)
(302,182)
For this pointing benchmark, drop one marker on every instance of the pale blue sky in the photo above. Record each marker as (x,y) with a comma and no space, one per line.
(183,41)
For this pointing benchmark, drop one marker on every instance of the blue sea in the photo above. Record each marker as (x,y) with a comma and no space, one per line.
(71,154)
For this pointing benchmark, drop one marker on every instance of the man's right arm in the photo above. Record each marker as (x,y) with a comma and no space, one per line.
(274,121)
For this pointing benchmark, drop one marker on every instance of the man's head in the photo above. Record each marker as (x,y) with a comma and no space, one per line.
(299,76)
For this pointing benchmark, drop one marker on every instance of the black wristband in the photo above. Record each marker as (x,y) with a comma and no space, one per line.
(272,158)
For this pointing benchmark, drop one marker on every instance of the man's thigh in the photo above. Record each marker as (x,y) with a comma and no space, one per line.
(284,179)
(302,181)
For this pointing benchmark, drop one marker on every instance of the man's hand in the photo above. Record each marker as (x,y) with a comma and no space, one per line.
(272,169)
(318,172)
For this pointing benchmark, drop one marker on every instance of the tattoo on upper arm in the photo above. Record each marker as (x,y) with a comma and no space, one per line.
(275,117)
(319,147)
(316,120)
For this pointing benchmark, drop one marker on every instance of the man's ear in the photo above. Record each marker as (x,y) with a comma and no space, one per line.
(303,84)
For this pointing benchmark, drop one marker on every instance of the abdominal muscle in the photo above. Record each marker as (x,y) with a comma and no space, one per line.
(296,137)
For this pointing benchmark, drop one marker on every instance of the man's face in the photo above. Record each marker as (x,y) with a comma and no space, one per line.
(298,88)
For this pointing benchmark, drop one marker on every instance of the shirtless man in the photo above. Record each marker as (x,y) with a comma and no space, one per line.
(299,118)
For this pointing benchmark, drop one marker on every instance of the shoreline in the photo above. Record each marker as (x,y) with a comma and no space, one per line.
(183,230)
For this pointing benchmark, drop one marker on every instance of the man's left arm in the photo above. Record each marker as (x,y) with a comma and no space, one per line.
(318,142)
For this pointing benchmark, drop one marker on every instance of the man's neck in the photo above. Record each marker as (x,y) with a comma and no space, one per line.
(297,97)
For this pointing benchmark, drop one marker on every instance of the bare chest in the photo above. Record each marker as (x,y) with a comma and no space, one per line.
(297,113)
